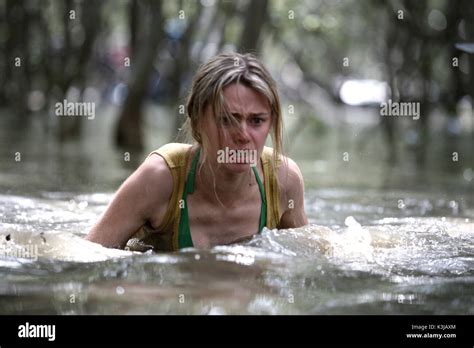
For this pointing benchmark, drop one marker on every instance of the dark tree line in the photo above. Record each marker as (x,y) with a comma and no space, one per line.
(53,46)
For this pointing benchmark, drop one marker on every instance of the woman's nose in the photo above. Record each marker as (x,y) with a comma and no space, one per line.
(242,134)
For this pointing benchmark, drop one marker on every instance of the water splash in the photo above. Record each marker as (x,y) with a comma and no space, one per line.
(374,260)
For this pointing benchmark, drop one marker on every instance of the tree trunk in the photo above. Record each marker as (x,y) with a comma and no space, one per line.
(255,17)
(129,128)
(182,65)
(16,79)
(90,16)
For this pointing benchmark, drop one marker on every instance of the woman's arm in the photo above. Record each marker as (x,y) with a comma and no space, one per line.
(293,196)
(145,194)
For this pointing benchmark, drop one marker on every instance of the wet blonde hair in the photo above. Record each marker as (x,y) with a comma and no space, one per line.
(207,90)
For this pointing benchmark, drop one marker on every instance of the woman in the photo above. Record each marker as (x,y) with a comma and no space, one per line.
(224,188)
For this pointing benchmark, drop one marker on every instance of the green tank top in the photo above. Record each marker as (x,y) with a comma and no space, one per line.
(184,234)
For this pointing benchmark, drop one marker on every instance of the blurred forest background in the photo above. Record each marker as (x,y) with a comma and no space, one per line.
(335,62)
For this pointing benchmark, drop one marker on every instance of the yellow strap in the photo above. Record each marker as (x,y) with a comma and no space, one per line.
(175,155)
(272,192)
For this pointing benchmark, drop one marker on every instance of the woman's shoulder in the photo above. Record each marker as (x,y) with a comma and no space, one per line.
(287,168)
(289,174)
(156,170)
(174,154)
(156,177)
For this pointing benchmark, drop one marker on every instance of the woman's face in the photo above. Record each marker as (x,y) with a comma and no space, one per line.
(253,114)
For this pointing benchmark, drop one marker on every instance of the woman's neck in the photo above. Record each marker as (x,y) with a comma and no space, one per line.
(228,185)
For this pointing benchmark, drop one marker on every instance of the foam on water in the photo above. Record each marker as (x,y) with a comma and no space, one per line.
(401,264)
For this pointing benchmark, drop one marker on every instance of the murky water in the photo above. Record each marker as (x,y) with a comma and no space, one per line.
(381,241)
(389,260)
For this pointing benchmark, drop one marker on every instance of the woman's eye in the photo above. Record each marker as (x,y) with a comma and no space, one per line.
(257,120)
